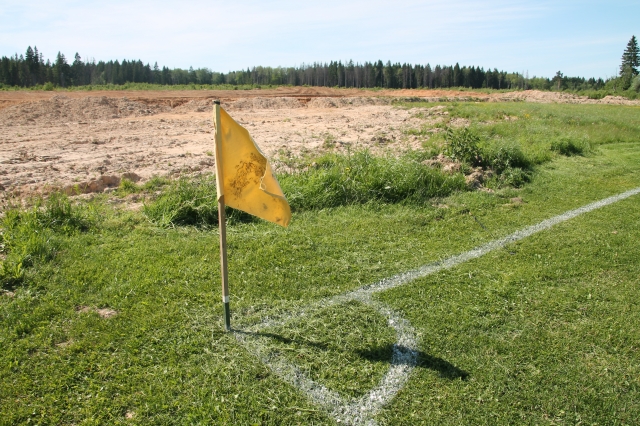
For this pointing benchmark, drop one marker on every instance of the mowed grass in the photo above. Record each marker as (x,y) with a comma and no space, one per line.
(547,330)
(544,331)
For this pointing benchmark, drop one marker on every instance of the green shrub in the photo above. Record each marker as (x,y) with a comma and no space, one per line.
(185,202)
(596,94)
(463,145)
(513,176)
(48,86)
(57,212)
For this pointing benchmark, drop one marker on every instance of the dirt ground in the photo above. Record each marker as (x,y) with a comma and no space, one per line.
(90,140)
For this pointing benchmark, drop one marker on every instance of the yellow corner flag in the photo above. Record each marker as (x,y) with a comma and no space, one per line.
(244,176)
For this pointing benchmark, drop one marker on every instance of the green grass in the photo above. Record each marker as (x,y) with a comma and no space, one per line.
(332,181)
(336,180)
(544,331)
(360,347)
(547,330)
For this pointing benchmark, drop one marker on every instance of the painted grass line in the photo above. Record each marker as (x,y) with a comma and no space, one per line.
(361,411)
(407,277)
(364,293)
(353,411)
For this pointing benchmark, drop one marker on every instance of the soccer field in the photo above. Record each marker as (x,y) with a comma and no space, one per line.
(513,306)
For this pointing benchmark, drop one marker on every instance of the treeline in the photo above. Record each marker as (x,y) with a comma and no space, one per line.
(31,70)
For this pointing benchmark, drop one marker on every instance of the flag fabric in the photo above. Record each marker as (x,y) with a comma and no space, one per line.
(247,181)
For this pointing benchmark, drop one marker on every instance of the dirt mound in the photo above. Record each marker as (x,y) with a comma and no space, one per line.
(200,105)
(61,108)
(265,103)
(538,96)
(617,100)
(331,102)
(97,185)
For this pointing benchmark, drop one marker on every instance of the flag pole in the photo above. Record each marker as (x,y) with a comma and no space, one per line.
(222,223)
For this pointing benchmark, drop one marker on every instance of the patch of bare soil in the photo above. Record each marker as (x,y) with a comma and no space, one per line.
(103,312)
(83,145)
(86,142)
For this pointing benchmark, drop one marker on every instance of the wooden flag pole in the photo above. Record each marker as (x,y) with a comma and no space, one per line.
(222,222)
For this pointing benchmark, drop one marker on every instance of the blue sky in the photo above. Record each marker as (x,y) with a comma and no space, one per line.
(580,38)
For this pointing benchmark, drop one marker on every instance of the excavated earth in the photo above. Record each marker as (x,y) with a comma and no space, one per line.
(88,141)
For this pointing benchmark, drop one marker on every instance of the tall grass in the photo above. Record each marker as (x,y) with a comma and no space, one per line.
(333,180)
(337,180)
(185,202)
(30,235)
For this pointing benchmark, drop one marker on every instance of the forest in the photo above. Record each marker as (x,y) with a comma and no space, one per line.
(31,70)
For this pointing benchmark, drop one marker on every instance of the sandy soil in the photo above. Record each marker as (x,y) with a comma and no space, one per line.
(89,140)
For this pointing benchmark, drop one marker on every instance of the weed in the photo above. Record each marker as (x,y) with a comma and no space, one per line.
(128,186)
(329,141)
(504,156)
(462,145)
(185,202)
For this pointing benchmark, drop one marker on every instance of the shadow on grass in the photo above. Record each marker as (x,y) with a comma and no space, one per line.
(286,340)
(444,368)
(384,354)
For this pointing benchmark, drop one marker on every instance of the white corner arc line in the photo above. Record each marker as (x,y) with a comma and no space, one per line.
(356,411)
(363,409)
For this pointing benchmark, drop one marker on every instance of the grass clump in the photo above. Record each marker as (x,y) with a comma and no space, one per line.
(568,146)
(29,235)
(190,202)
(185,202)
(155,183)
(512,167)
(510,164)
(127,187)
(333,180)
(338,180)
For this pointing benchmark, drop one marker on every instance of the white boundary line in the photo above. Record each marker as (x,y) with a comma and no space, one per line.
(404,359)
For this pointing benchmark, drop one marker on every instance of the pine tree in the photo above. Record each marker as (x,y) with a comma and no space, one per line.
(61,70)
(630,58)
(458,79)
(77,70)
(558,80)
